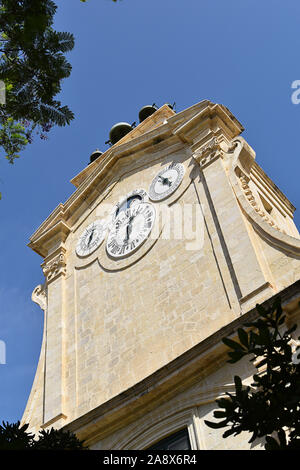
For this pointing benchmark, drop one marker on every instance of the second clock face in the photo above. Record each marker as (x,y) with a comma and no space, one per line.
(166,181)
(130,230)
(91,238)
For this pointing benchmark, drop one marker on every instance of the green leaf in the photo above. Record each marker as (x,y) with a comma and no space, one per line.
(238,383)
(232,344)
(243,337)
(229,432)
(278,308)
(224,403)
(262,312)
(271,444)
(282,438)
(219,425)
(235,357)
(220,414)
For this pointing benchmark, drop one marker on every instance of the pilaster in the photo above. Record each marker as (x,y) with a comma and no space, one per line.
(247,275)
(49,242)
(54,268)
(209,135)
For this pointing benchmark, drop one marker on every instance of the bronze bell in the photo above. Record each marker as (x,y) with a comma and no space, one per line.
(172,106)
(146,111)
(118,131)
(95,155)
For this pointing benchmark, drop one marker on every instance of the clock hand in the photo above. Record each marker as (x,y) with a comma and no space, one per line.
(127,233)
(91,236)
(128,228)
(165,181)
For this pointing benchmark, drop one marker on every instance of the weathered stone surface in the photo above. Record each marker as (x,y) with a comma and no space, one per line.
(112,324)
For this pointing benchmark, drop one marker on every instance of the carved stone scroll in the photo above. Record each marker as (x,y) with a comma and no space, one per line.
(208,152)
(39,296)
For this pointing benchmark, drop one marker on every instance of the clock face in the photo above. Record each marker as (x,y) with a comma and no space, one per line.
(166,182)
(135,197)
(91,238)
(130,229)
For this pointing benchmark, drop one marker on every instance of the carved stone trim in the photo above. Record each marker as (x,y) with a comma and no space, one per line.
(60,416)
(252,200)
(39,296)
(209,152)
(55,267)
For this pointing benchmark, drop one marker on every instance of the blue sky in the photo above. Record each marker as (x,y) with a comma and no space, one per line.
(244,54)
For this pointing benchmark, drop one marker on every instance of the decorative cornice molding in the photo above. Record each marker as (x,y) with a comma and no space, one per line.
(41,241)
(254,203)
(242,161)
(208,153)
(214,118)
(56,266)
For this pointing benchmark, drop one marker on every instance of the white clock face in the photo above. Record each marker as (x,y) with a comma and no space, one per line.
(91,238)
(166,182)
(134,197)
(130,229)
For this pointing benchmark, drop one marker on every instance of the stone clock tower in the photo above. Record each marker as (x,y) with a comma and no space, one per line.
(170,239)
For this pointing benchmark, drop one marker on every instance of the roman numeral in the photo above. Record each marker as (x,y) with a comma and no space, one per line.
(115,249)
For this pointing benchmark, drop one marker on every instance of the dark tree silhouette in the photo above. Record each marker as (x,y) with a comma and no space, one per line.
(32,67)
(270,407)
(16,437)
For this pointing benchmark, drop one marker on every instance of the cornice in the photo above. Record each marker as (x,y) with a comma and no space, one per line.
(239,175)
(214,118)
(282,200)
(42,241)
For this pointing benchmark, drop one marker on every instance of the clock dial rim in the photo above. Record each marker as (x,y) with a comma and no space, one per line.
(136,192)
(101,228)
(179,168)
(142,238)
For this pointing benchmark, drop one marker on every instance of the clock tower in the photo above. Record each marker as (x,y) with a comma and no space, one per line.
(170,239)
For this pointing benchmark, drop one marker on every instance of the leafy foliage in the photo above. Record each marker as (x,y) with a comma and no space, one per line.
(32,67)
(15,437)
(270,407)
(54,439)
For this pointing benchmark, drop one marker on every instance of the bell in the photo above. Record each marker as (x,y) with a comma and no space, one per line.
(172,106)
(118,131)
(95,155)
(146,111)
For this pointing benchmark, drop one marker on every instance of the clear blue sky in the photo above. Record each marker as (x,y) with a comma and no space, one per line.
(244,54)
